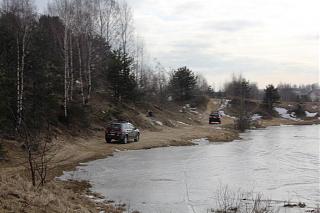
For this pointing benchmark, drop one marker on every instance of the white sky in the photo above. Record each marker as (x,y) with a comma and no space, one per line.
(268,41)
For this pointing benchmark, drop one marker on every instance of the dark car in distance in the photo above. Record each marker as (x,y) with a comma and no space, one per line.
(215,118)
(122,132)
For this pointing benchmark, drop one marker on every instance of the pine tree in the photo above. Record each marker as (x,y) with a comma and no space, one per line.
(271,96)
(121,77)
(182,84)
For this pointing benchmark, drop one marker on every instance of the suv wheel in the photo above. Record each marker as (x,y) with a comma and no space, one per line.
(137,138)
(125,139)
(108,140)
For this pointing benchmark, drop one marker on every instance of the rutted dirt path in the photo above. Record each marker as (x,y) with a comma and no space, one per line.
(85,149)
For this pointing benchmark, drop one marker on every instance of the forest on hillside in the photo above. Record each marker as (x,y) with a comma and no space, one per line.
(52,65)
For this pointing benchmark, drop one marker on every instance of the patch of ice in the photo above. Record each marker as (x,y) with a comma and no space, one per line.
(179,122)
(256,117)
(201,141)
(218,127)
(284,113)
(224,104)
(311,114)
(221,112)
(194,112)
(159,123)
(90,196)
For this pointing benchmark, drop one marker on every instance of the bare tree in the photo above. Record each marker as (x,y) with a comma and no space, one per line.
(23,11)
(106,16)
(125,28)
(39,152)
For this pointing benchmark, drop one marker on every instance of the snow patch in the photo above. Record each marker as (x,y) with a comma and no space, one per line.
(158,123)
(284,113)
(224,104)
(221,112)
(201,141)
(179,122)
(256,117)
(311,114)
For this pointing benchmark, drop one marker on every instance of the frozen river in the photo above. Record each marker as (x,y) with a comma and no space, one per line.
(281,162)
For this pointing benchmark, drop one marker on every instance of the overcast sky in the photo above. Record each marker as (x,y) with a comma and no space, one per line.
(268,41)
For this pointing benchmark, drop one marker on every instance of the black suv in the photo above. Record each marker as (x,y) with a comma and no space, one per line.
(214,118)
(122,131)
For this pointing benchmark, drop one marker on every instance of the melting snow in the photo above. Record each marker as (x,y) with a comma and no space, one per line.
(179,122)
(159,123)
(221,112)
(224,104)
(311,114)
(284,113)
(256,117)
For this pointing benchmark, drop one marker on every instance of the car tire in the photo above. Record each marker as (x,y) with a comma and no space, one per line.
(137,138)
(125,139)
(108,140)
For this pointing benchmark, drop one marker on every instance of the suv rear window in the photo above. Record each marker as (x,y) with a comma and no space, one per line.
(116,126)
(214,114)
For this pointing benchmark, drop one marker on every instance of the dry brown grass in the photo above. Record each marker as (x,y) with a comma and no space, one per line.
(18,195)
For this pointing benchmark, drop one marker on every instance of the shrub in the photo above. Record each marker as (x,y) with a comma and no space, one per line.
(1,151)
(229,201)
(242,123)
(299,111)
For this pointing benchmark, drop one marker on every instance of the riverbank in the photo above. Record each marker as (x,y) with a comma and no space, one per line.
(75,150)
(278,162)
(74,195)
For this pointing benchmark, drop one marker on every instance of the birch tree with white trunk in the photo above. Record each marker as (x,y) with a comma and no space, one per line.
(64,9)
(23,11)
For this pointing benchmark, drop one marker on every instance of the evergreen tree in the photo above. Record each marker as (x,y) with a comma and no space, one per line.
(44,74)
(271,96)
(182,84)
(8,66)
(121,77)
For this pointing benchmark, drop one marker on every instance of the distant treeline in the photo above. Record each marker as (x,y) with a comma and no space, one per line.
(287,92)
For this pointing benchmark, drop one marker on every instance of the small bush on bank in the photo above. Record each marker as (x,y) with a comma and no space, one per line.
(229,201)
(1,151)
(200,102)
(242,123)
(299,111)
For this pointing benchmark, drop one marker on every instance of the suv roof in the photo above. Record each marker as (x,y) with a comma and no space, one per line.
(119,122)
